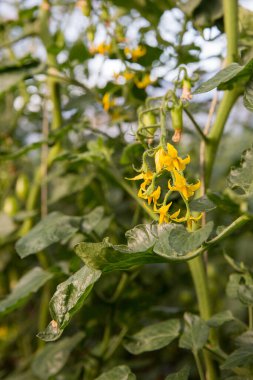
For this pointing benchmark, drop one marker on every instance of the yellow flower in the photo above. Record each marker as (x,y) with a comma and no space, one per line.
(144,82)
(128,75)
(107,101)
(135,53)
(163,213)
(102,48)
(192,219)
(182,186)
(164,216)
(170,160)
(147,177)
(154,196)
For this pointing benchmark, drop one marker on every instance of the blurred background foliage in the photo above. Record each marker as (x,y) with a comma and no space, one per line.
(72,76)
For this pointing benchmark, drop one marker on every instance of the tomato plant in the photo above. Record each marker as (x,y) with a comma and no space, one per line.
(127,182)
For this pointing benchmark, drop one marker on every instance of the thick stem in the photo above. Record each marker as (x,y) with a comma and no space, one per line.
(230,9)
(215,134)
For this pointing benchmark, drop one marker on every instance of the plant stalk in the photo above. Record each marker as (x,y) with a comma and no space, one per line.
(230,8)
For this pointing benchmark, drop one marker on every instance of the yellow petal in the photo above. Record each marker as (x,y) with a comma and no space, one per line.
(139,176)
(172,151)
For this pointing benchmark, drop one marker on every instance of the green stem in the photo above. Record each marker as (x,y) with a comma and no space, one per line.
(199,366)
(198,129)
(200,283)
(250,308)
(215,134)
(230,10)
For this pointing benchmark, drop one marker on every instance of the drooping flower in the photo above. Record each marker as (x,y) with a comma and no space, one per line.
(147,177)
(180,185)
(154,196)
(170,160)
(164,216)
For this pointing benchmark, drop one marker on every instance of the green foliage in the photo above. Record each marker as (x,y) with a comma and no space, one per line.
(183,374)
(67,300)
(30,283)
(121,372)
(195,333)
(87,93)
(153,337)
(53,357)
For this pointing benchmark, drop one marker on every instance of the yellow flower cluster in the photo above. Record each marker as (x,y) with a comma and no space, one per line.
(167,161)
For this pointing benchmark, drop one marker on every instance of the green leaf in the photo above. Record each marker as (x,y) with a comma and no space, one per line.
(202,204)
(67,185)
(248,96)
(91,220)
(241,178)
(6,225)
(219,319)
(225,78)
(26,286)
(67,300)
(53,357)
(153,337)
(53,228)
(183,374)
(245,294)
(11,75)
(240,286)
(183,241)
(4,156)
(122,372)
(242,357)
(195,333)
(147,244)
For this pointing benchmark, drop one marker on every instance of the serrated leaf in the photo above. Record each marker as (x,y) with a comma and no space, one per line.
(239,358)
(202,204)
(225,78)
(153,337)
(241,178)
(219,319)
(147,244)
(67,300)
(195,333)
(183,374)
(121,372)
(30,283)
(184,241)
(53,228)
(53,357)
